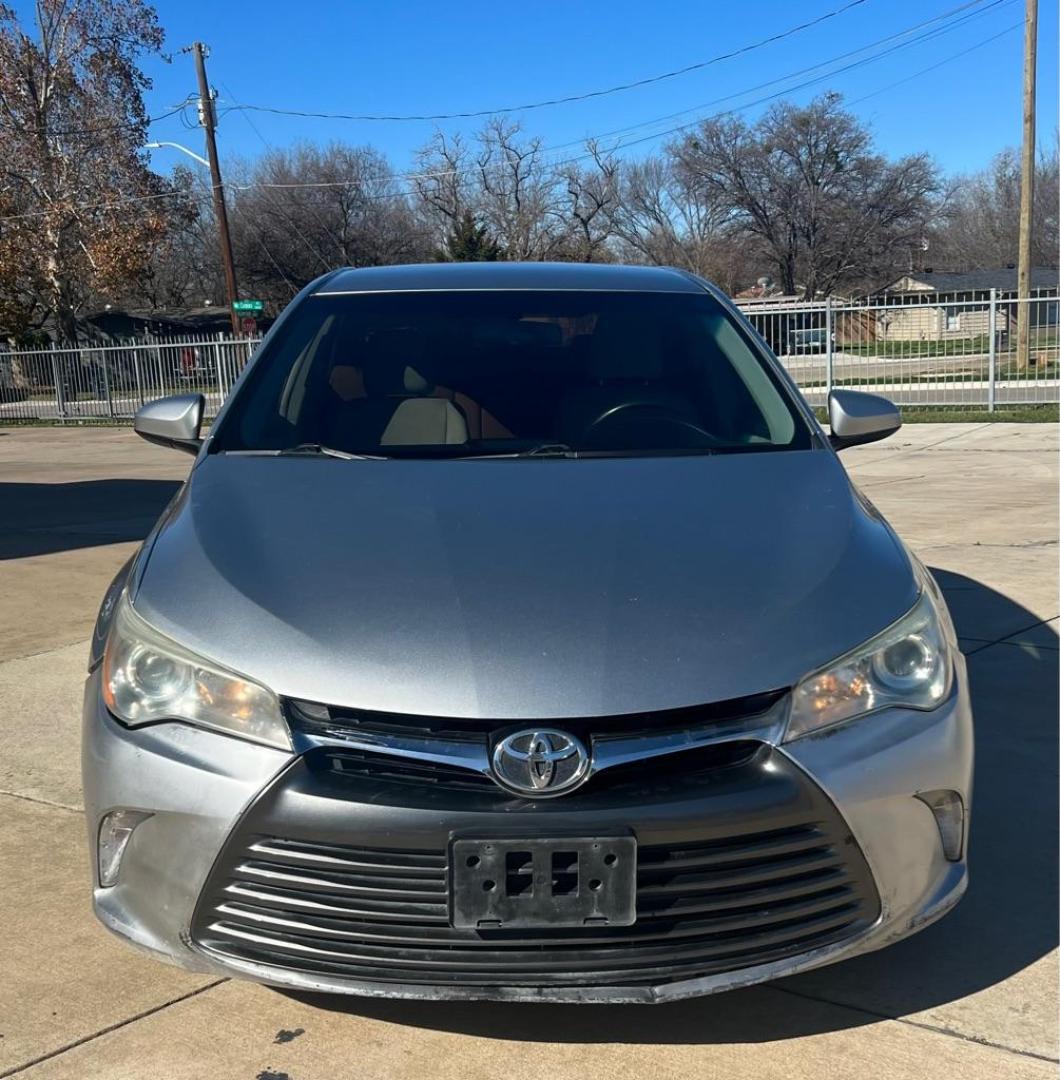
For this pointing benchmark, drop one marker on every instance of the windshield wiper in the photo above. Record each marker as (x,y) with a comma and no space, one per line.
(308,449)
(560,450)
(553,449)
(315,449)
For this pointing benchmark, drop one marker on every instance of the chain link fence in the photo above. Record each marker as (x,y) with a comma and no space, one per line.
(918,351)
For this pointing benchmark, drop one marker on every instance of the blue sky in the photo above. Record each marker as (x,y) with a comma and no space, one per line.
(415,57)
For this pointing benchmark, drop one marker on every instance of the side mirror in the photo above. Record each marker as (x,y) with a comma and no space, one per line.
(172,421)
(857,418)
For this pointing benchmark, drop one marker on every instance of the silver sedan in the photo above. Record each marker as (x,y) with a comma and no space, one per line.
(518,634)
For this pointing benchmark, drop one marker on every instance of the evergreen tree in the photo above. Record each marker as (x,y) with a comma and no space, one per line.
(467,241)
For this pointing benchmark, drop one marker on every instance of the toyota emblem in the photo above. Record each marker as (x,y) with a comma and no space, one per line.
(541,762)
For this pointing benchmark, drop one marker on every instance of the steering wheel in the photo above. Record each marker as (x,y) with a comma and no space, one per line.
(655,414)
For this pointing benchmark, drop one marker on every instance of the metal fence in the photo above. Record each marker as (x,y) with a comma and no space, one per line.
(110,382)
(917,351)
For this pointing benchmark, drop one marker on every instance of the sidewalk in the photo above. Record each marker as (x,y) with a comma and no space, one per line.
(973,996)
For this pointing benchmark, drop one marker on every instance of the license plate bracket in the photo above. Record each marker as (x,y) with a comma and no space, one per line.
(538,883)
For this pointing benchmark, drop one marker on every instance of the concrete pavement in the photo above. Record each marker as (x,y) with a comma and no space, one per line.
(973,996)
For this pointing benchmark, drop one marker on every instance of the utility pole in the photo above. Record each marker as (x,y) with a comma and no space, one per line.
(1023,274)
(208,119)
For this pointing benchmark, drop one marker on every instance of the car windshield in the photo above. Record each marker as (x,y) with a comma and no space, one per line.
(511,373)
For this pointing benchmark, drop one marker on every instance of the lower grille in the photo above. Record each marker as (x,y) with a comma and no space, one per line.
(383,916)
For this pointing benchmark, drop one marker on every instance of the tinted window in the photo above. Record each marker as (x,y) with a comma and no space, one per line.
(467,373)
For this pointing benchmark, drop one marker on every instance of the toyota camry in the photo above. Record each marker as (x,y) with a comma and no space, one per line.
(518,634)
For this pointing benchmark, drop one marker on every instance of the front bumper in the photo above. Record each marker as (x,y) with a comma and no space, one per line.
(208,794)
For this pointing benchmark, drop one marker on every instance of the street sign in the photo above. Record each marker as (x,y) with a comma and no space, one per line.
(248,307)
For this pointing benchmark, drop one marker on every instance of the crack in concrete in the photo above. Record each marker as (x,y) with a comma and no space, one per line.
(870,482)
(935,1028)
(888,453)
(1019,545)
(41,802)
(47,652)
(1005,450)
(946,439)
(67,1047)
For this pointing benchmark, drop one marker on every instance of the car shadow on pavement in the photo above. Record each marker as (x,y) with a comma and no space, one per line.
(40,519)
(1006,921)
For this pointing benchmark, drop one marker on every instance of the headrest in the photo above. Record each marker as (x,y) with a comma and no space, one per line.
(388,367)
(347,381)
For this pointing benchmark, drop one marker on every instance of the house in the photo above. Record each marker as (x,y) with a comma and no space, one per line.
(972,284)
(113,325)
(121,325)
(945,305)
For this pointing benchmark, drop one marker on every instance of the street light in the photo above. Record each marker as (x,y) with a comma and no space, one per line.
(176,146)
(219,205)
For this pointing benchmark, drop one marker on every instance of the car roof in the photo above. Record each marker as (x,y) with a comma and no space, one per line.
(450,277)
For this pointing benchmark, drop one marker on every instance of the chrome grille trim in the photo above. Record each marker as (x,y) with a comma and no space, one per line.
(606,751)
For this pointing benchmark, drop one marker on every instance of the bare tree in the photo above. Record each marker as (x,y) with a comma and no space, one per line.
(662,217)
(504,181)
(805,183)
(441,181)
(72,127)
(182,269)
(979,227)
(517,193)
(592,203)
(299,213)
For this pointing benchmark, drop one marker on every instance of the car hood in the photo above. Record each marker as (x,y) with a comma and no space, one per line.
(524,589)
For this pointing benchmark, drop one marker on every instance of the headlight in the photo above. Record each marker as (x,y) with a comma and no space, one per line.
(909,665)
(147,677)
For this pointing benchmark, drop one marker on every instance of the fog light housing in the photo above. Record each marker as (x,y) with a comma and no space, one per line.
(115,832)
(948,808)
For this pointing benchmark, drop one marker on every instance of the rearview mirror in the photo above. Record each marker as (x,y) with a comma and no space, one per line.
(172,421)
(857,418)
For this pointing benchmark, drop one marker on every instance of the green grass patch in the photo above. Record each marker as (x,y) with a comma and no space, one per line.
(120,421)
(1007,414)
(903,350)
(1049,370)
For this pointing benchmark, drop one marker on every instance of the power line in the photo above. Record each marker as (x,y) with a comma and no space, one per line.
(301,235)
(527,106)
(949,59)
(97,130)
(938,31)
(740,108)
(110,204)
(930,35)
(798,86)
